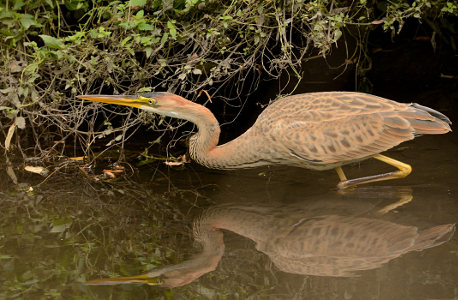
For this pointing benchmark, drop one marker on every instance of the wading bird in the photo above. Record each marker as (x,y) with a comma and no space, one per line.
(318,131)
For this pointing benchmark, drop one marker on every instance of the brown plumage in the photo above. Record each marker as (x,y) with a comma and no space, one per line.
(327,129)
(317,131)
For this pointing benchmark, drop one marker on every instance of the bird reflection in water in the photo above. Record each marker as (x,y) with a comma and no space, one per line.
(322,238)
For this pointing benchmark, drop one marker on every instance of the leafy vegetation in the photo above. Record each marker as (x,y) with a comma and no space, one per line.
(55,50)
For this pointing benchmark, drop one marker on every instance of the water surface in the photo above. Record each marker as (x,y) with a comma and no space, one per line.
(71,229)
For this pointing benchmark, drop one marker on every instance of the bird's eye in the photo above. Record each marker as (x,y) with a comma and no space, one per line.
(151,101)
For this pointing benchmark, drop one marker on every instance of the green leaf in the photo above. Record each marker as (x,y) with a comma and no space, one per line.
(93,33)
(145,89)
(137,2)
(28,20)
(191,3)
(124,41)
(148,51)
(164,38)
(172,29)
(145,26)
(226,18)
(337,34)
(18,5)
(256,39)
(50,3)
(77,37)
(145,40)
(140,14)
(76,4)
(52,42)
(173,33)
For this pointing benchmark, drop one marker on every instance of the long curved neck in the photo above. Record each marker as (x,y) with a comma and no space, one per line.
(242,152)
(207,137)
(246,151)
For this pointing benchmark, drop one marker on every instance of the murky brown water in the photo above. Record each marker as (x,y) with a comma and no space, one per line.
(288,234)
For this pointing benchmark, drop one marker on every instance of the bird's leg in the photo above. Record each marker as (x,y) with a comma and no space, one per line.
(403,171)
(341,174)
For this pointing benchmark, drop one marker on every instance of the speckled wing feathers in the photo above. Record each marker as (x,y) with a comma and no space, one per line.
(344,139)
(335,127)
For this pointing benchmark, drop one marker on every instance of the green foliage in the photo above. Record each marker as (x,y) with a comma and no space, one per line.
(55,50)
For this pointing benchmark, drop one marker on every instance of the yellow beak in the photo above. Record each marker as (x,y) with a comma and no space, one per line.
(126,100)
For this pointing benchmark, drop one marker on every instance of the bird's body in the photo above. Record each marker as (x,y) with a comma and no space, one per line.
(319,131)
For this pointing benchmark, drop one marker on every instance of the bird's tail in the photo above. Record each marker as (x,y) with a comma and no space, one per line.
(426,120)
(434,237)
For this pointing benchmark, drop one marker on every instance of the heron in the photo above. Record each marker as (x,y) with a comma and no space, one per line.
(318,131)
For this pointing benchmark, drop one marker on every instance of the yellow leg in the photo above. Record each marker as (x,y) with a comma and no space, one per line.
(341,174)
(403,171)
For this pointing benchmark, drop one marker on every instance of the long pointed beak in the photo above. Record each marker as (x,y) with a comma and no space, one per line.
(126,100)
(139,279)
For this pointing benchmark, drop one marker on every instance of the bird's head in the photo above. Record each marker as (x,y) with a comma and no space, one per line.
(163,103)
